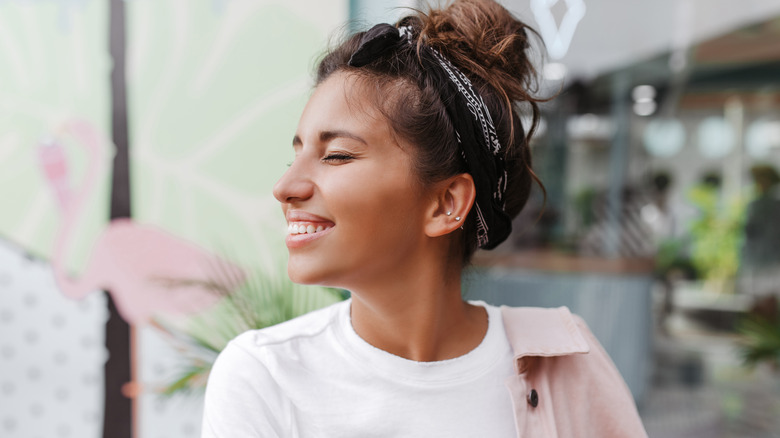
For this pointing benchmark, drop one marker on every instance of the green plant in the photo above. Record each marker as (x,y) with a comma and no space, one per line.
(583,205)
(716,234)
(760,330)
(671,254)
(262,300)
(761,340)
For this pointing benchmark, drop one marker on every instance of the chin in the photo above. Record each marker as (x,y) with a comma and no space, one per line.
(301,275)
(296,276)
(316,277)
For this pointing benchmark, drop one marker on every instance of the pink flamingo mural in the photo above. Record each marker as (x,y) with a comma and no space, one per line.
(146,270)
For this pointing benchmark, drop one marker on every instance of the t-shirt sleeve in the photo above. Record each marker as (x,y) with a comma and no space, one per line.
(242,399)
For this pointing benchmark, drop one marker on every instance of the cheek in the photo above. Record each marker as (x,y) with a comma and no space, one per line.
(387,227)
(381,201)
(378,222)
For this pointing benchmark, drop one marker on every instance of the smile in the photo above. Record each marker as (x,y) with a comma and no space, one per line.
(295,228)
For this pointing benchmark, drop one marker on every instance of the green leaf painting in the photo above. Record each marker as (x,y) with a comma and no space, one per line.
(215,89)
(54,66)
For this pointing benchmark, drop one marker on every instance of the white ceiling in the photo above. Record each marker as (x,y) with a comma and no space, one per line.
(614,33)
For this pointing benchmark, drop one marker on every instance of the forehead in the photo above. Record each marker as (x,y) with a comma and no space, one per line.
(347,101)
(344,101)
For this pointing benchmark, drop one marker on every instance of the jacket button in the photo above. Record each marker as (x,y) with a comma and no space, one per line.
(533,398)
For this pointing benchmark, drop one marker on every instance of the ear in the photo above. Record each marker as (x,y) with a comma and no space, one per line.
(452,201)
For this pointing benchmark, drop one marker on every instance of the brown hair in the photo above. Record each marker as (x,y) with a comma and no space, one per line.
(489,45)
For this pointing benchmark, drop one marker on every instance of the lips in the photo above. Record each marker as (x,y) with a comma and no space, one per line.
(304,216)
(303,227)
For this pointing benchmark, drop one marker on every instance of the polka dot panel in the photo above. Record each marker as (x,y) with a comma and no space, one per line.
(52,356)
(44,355)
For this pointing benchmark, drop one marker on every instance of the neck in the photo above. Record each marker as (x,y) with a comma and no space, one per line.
(417,312)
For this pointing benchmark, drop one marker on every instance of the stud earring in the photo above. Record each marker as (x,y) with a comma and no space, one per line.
(449,213)
(457,218)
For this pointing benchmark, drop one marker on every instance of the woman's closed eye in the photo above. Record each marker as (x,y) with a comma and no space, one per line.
(337,158)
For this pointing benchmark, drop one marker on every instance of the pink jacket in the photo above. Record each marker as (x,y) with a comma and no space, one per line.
(566,385)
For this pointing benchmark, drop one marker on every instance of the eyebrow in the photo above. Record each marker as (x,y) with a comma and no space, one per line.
(326,136)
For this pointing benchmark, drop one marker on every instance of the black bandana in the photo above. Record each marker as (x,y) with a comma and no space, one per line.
(474,129)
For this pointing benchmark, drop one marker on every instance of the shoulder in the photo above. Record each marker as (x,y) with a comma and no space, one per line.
(303,327)
(243,394)
(536,331)
(551,333)
(554,349)
(255,354)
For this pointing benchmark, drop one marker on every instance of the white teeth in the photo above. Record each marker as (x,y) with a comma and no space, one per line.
(304,229)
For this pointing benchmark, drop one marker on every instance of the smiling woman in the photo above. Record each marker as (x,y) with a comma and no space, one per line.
(409,156)
(351,178)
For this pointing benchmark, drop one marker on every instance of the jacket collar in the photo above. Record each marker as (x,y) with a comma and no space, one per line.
(535,331)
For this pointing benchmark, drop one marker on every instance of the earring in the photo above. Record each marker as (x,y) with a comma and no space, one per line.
(449,213)
(457,218)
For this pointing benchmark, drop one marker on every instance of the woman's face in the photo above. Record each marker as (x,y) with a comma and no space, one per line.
(353,205)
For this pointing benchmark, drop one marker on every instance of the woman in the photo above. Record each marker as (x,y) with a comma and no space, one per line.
(409,156)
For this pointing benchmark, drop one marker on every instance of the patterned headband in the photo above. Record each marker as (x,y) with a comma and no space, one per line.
(474,129)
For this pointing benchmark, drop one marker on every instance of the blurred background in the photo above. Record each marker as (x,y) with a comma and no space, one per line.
(140,139)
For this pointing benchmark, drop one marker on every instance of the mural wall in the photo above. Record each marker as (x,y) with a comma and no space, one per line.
(214,89)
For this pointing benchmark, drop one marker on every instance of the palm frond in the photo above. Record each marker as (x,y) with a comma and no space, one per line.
(761,340)
(262,299)
(192,379)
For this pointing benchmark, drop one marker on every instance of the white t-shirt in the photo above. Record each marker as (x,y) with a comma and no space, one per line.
(315,377)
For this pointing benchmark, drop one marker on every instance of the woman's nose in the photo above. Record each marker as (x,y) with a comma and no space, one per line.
(294,185)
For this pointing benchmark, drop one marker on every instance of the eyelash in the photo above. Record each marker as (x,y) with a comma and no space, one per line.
(338,157)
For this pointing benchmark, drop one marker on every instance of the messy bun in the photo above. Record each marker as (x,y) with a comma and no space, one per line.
(484,39)
(489,45)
